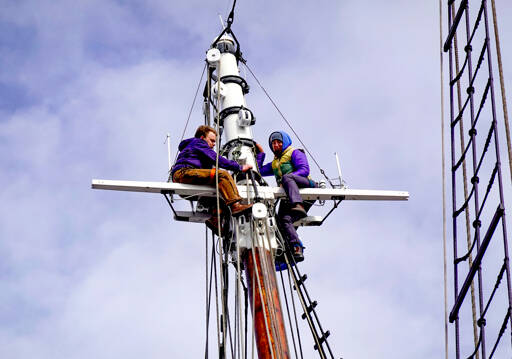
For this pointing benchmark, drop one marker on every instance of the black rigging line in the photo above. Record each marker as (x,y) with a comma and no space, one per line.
(502,331)
(191,107)
(209,294)
(287,122)
(295,315)
(288,312)
(231,14)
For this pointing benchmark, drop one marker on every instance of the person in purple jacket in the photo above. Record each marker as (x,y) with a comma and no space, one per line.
(195,162)
(291,170)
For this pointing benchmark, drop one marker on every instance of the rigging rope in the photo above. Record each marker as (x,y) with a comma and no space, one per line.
(445,270)
(231,15)
(258,282)
(217,196)
(191,108)
(286,121)
(207,293)
(295,315)
(288,312)
(465,180)
(475,267)
(502,85)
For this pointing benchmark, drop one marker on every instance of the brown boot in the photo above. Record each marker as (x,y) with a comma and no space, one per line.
(299,210)
(213,224)
(237,208)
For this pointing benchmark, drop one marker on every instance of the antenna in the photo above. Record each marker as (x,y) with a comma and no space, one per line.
(222,21)
(339,169)
(168,140)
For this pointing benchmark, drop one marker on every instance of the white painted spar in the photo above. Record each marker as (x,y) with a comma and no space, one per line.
(266,193)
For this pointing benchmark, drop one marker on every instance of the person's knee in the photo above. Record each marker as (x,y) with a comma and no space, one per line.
(287,178)
(285,220)
(224,176)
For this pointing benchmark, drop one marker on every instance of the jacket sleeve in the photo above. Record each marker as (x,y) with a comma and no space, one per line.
(300,163)
(211,157)
(265,170)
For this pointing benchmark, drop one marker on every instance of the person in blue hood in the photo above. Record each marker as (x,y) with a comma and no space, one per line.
(195,162)
(291,170)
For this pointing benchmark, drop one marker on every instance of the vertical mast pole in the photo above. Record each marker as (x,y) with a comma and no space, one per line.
(256,239)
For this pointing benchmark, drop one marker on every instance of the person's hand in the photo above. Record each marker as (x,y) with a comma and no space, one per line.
(246,168)
(259,149)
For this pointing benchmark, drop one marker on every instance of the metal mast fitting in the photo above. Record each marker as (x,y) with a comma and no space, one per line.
(233,117)
(255,236)
(251,239)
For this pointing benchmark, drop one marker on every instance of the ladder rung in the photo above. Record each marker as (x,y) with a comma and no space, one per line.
(301,281)
(322,339)
(310,309)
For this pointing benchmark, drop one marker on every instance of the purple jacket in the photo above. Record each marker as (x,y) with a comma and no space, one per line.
(195,153)
(298,159)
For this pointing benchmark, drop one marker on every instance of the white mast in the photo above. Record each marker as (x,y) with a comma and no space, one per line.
(234,116)
(255,235)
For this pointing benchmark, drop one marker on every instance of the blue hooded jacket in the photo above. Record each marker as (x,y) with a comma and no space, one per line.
(299,160)
(281,136)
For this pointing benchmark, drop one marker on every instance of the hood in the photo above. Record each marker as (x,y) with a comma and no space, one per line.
(187,142)
(281,136)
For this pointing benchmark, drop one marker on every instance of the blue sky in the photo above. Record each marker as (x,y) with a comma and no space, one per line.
(89,89)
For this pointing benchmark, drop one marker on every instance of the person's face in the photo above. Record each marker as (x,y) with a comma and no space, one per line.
(210,139)
(277,146)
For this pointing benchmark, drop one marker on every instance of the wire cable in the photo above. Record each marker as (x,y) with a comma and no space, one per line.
(217,196)
(502,85)
(191,108)
(445,270)
(287,122)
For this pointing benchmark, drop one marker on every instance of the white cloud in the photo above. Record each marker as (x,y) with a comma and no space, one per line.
(97,274)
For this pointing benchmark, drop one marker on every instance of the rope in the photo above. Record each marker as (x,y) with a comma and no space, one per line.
(268,275)
(207,293)
(217,195)
(231,15)
(258,281)
(214,265)
(295,315)
(465,185)
(191,108)
(445,270)
(287,122)
(288,313)
(239,282)
(502,85)
(305,309)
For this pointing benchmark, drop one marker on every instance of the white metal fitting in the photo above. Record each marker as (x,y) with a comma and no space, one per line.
(242,160)
(244,118)
(219,86)
(259,210)
(213,56)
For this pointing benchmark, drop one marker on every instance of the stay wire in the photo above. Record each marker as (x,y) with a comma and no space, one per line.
(239,283)
(231,15)
(502,85)
(258,281)
(288,313)
(219,224)
(444,185)
(287,122)
(191,109)
(208,294)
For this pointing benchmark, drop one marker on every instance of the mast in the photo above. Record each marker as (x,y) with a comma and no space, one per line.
(255,236)
(251,241)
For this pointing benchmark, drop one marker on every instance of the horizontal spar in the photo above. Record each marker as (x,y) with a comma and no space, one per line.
(264,192)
